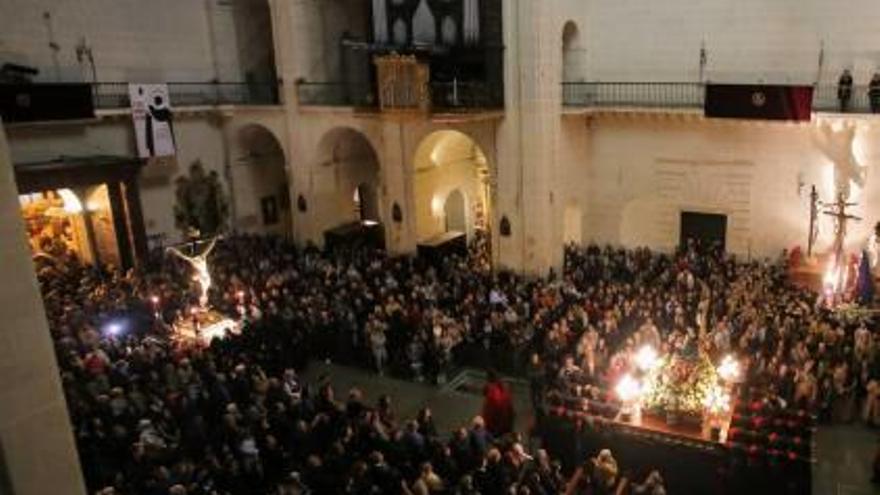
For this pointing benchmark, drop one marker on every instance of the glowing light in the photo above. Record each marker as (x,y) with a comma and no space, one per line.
(113,329)
(717,401)
(72,203)
(834,279)
(370,223)
(154,300)
(646,358)
(627,388)
(728,370)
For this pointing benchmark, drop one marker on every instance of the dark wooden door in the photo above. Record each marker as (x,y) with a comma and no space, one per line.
(708,229)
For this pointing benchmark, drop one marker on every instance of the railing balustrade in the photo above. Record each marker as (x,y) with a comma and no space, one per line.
(688,95)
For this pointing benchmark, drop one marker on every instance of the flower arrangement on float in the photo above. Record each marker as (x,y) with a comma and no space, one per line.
(680,386)
(684,385)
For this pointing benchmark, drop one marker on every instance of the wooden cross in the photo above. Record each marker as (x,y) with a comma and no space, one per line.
(838,211)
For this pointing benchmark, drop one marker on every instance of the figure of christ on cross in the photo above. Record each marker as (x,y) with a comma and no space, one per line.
(199,262)
(841,217)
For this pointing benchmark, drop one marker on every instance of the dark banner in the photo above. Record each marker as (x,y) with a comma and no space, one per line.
(38,102)
(759,101)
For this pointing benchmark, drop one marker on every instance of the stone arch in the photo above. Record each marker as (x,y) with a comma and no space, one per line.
(346,163)
(572,54)
(447,161)
(261,183)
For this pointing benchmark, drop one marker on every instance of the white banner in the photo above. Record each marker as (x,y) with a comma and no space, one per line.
(153,122)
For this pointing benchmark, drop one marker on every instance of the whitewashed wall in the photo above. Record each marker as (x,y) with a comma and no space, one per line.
(634,175)
(132,40)
(746,40)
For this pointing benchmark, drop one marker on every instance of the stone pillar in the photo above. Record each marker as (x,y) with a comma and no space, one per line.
(397,185)
(528,139)
(292,31)
(120,224)
(136,219)
(37,451)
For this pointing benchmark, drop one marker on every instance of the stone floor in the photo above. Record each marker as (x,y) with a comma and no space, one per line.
(845,453)
(453,403)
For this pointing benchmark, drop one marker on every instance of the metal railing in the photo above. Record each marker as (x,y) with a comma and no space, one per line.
(633,94)
(336,94)
(689,95)
(825,100)
(112,95)
(445,96)
(466,95)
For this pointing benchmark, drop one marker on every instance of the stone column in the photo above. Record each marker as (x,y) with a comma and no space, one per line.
(136,219)
(120,224)
(397,182)
(528,139)
(37,451)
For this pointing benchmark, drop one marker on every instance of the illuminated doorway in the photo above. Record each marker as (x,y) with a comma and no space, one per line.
(87,209)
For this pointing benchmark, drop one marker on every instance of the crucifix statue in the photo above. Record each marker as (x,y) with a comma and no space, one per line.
(841,217)
(199,262)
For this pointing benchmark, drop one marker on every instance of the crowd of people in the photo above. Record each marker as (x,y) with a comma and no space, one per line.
(155,415)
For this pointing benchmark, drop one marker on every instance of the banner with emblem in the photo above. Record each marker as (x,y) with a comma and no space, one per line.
(153,119)
(759,101)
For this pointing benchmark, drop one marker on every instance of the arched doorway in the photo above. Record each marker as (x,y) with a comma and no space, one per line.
(346,187)
(366,203)
(455,211)
(261,192)
(452,190)
(572,54)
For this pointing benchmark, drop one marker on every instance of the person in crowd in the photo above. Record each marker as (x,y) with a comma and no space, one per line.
(653,485)
(497,405)
(874,92)
(844,90)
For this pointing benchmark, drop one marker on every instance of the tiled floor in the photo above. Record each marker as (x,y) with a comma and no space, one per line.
(845,453)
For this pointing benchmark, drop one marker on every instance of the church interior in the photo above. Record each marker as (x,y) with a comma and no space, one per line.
(463,247)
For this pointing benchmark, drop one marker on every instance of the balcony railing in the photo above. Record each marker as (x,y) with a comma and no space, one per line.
(465,96)
(114,95)
(686,95)
(336,94)
(633,94)
(825,99)
(445,96)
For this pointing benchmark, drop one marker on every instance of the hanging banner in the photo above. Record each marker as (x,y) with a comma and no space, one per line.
(759,101)
(153,122)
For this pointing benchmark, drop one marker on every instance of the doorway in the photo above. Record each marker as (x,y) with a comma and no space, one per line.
(455,212)
(707,229)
